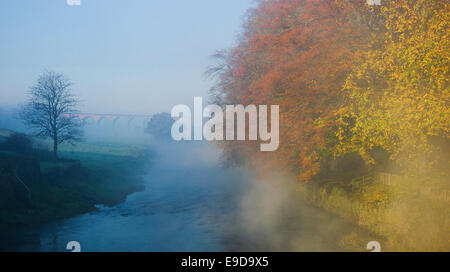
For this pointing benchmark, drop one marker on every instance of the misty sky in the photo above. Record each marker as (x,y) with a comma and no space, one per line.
(125,56)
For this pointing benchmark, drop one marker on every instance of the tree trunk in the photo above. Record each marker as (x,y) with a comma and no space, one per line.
(55,149)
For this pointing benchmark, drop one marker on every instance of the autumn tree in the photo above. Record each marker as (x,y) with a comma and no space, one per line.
(398,98)
(297,54)
(49,110)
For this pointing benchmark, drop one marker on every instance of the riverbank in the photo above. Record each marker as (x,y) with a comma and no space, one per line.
(36,190)
(403,213)
(188,196)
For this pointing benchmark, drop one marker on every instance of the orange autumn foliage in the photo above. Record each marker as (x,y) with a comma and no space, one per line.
(297,54)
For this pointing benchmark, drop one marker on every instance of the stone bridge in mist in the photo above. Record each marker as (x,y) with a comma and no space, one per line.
(99,118)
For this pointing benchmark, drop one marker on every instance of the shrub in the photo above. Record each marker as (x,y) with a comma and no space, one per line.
(19,143)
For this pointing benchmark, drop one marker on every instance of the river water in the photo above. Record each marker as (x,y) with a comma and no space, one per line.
(191,203)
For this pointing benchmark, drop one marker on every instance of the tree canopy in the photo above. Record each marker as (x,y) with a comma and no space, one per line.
(349,77)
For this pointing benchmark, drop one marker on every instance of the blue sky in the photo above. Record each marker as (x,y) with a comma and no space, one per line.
(124,56)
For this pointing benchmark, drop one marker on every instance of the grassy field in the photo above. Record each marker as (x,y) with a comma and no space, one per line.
(86,175)
(5,133)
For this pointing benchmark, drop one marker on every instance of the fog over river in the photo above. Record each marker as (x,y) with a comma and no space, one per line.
(192,203)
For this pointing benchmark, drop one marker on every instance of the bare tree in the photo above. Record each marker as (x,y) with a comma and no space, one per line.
(49,111)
